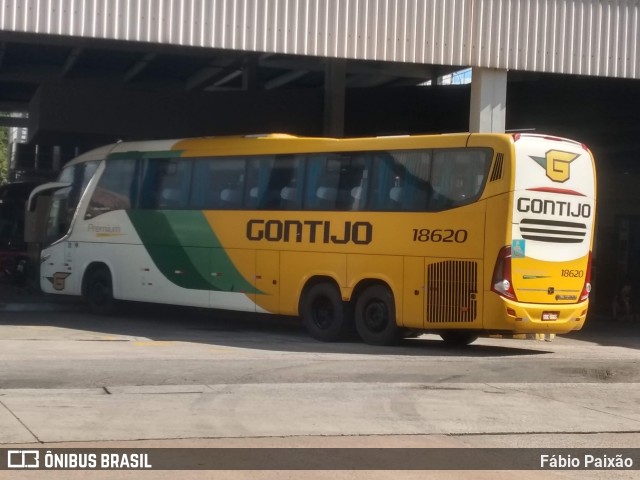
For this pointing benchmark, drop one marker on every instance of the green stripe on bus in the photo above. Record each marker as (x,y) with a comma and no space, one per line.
(185,249)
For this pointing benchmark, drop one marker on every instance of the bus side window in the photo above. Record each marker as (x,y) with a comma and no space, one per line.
(384,179)
(353,187)
(336,181)
(165,183)
(201,196)
(232,189)
(116,188)
(285,183)
(401,181)
(416,179)
(218,183)
(323,176)
(254,188)
(256,181)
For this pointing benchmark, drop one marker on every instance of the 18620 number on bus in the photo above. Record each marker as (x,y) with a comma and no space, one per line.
(439,235)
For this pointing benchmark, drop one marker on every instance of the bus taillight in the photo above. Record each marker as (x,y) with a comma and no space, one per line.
(586,289)
(501,282)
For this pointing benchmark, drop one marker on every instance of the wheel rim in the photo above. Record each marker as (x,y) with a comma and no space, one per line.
(376,316)
(323,313)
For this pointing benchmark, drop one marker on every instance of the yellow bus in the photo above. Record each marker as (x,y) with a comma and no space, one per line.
(460,234)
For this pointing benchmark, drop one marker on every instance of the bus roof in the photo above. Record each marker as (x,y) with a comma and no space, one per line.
(276,143)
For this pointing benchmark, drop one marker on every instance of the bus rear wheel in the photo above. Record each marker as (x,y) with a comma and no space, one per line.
(458,339)
(324,313)
(376,316)
(98,291)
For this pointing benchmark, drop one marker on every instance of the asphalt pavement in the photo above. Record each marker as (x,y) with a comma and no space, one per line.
(70,379)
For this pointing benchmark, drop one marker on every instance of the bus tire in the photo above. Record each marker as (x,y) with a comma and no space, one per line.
(458,339)
(98,291)
(376,316)
(324,313)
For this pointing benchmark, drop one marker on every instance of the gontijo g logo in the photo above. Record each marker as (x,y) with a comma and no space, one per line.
(556,163)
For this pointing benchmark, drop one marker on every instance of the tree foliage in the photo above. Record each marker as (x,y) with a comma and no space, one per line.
(4,154)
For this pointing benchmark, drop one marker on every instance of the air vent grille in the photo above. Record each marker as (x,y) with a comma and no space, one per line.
(496,173)
(452,288)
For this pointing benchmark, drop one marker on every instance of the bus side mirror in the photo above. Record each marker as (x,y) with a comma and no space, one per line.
(37,211)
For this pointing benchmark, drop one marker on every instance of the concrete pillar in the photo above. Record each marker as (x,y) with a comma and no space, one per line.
(334,97)
(488,100)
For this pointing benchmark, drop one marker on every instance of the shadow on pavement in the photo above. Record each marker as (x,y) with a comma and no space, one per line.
(173,323)
(602,330)
(147,325)
(219,327)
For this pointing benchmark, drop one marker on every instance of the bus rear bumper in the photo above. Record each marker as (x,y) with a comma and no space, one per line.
(520,317)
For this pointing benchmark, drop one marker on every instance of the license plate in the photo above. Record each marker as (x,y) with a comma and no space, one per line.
(549,316)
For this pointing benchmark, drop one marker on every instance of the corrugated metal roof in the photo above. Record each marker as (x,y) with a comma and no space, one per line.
(587,37)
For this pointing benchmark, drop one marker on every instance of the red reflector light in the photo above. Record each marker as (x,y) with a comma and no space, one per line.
(586,289)
(501,282)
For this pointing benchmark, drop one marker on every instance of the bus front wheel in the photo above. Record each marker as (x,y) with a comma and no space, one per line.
(98,291)
(376,316)
(323,313)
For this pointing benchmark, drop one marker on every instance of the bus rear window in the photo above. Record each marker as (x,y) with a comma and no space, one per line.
(458,176)
(428,180)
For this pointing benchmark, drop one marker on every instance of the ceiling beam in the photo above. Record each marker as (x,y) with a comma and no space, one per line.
(139,67)
(368,81)
(223,79)
(70,62)
(360,67)
(202,77)
(14,106)
(216,74)
(285,78)
(33,74)
(19,122)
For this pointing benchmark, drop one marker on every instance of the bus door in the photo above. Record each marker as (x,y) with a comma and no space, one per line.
(232,279)
(413,295)
(268,280)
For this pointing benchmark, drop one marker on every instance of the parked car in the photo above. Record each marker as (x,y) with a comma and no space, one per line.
(13,248)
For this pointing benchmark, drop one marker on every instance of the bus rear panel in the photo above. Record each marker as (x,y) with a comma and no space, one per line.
(542,277)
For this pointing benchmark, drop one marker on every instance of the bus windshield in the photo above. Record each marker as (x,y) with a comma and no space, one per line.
(65,200)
